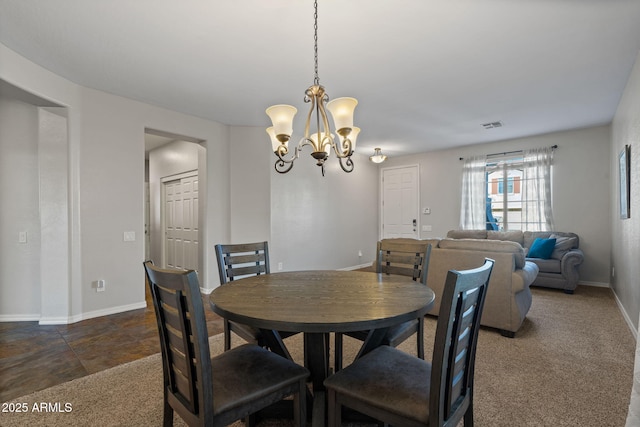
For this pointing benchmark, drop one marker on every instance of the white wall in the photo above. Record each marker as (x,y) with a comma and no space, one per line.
(105,154)
(625,254)
(250,151)
(580,190)
(19,182)
(322,222)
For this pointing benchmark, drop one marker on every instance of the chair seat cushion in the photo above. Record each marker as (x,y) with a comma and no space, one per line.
(399,333)
(263,372)
(386,378)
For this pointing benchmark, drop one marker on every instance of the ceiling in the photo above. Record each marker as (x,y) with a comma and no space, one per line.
(427,73)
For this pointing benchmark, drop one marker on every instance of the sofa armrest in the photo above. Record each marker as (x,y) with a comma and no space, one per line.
(569,264)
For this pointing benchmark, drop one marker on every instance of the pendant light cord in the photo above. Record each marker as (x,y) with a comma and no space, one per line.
(316,79)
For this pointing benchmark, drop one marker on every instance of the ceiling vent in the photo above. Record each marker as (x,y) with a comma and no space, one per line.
(492,125)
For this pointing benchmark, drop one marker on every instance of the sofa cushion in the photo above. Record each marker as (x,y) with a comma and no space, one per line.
(467,234)
(563,245)
(550,265)
(542,248)
(484,245)
(512,236)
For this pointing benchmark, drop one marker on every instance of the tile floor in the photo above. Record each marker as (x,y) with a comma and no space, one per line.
(34,357)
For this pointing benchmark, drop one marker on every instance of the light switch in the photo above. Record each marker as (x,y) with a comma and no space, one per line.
(22,237)
(426,211)
(129,236)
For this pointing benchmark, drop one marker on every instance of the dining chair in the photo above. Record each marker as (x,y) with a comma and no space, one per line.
(216,391)
(236,261)
(406,258)
(403,390)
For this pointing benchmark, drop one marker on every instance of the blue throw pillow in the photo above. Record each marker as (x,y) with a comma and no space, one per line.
(542,248)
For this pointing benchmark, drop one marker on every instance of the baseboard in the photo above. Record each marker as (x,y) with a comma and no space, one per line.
(355,267)
(77,317)
(19,317)
(626,317)
(594,284)
(107,311)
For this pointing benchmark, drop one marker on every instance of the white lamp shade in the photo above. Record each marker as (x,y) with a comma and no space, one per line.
(377,157)
(274,141)
(353,136)
(342,111)
(282,118)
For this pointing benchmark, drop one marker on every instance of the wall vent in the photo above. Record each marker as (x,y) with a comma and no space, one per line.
(492,125)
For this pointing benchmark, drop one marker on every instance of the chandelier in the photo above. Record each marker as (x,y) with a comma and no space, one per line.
(322,141)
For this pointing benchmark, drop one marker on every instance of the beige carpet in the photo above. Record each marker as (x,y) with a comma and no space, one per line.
(570,365)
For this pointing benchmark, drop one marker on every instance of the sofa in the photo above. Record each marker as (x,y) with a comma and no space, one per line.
(508,296)
(558,268)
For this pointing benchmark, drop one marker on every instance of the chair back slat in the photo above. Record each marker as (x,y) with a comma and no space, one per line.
(403,258)
(241,260)
(184,339)
(455,343)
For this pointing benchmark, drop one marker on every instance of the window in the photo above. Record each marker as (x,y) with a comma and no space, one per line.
(504,201)
(512,193)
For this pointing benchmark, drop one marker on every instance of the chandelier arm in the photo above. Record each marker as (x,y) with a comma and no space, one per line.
(325,123)
(281,166)
(346,150)
(347,166)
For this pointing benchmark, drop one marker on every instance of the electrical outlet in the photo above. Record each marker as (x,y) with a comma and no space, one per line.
(280,266)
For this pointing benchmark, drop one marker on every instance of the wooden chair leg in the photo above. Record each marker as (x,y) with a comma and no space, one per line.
(334,410)
(299,405)
(250,420)
(227,336)
(168,414)
(420,338)
(468,416)
(338,352)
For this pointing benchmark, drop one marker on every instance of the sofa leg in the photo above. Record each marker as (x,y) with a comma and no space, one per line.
(507,334)
(568,291)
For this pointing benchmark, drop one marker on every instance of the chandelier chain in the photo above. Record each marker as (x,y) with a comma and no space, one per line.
(316,79)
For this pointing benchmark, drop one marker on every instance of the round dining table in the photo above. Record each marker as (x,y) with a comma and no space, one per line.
(318,302)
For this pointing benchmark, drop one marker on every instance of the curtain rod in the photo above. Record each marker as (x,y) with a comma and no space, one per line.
(553,147)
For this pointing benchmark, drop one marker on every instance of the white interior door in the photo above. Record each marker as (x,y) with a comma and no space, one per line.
(181,221)
(400,202)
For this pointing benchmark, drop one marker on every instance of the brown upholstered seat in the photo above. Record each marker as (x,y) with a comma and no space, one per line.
(217,391)
(402,390)
(407,258)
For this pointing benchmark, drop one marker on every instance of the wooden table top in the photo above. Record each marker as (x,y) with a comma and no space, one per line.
(322,301)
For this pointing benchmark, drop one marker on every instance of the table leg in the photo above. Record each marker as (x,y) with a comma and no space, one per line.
(273,340)
(374,339)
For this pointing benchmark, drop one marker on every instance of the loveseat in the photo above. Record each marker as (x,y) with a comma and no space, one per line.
(508,296)
(558,267)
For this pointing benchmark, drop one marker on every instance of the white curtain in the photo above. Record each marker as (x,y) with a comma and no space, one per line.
(473,214)
(536,190)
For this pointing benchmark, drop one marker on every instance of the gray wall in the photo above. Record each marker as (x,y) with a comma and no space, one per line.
(625,255)
(580,190)
(19,262)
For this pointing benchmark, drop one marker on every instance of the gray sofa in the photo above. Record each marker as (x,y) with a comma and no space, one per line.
(559,271)
(508,296)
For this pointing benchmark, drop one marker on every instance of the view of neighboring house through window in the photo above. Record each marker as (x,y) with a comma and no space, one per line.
(504,194)
(516,191)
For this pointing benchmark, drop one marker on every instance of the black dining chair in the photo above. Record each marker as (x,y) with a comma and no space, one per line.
(406,258)
(216,391)
(402,390)
(236,261)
